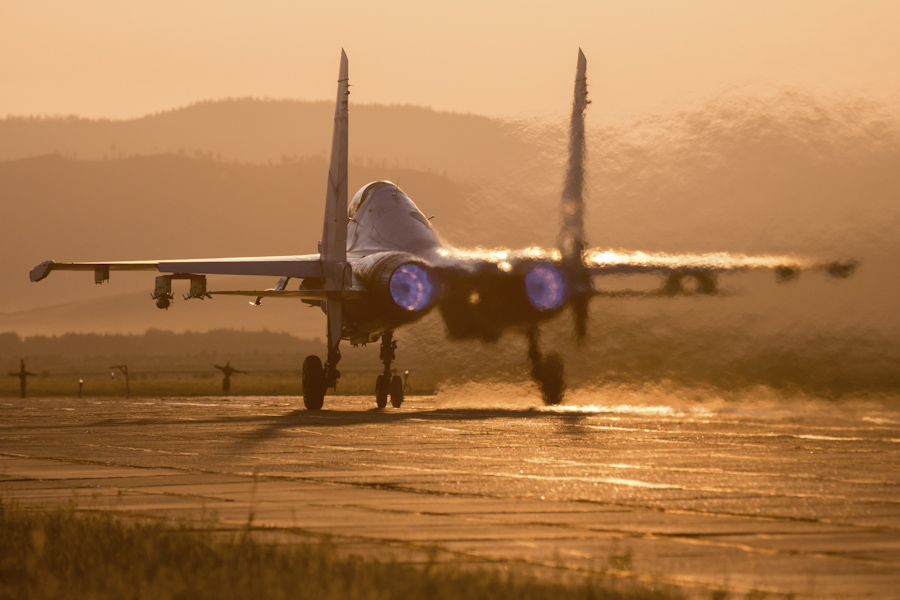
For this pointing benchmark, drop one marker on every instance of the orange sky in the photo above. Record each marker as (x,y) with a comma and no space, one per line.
(107,58)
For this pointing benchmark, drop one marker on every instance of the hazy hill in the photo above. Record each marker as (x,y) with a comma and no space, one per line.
(790,172)
(785,174)
(262,131)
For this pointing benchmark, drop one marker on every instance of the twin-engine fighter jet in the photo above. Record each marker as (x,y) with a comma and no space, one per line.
(380,266)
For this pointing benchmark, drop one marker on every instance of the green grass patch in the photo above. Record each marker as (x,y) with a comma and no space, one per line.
(64,553)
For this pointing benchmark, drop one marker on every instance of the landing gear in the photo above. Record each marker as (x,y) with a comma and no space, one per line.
(386,384)
(381,391)
(547,371)
(396,391)
(313,383)
(552,380)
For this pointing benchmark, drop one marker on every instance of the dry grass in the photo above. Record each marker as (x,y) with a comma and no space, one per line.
(63,553)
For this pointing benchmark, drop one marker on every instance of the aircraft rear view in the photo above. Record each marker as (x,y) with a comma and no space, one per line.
(380,265)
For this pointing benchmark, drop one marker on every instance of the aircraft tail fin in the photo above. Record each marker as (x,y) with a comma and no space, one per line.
(334,233)
(333,252)
(571,236)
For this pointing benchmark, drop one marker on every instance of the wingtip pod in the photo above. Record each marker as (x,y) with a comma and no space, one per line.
(841,270)
(42,270)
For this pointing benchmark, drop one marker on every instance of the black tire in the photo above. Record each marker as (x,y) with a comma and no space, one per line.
(381,391)
(396,391)
(552,380)
(313,383)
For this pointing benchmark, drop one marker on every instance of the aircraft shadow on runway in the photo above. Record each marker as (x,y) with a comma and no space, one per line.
(341,418)
(270,426)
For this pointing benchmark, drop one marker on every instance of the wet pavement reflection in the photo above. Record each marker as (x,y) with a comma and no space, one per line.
(791,496)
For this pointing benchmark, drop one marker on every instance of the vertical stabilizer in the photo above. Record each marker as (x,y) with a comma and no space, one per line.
(571,236)
(334,233)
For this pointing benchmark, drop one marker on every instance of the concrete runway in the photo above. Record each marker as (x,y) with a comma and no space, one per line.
(784,497)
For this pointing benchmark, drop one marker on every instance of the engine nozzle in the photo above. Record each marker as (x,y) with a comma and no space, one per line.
(545,286)
(400,279)
(413,286)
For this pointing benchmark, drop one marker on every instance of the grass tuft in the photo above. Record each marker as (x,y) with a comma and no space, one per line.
(64,553)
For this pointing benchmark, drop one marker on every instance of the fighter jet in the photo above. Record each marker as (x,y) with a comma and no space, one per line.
(380,265)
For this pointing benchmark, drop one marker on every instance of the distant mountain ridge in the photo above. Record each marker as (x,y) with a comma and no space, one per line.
(461,146)
(793,174)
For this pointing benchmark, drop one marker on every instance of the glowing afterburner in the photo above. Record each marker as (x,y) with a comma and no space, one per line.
(413,287)
(545,287)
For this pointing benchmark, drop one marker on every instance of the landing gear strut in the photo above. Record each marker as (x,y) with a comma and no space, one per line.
(388,384)
(547,371)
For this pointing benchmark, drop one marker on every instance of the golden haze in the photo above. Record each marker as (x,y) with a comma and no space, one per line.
(102,58)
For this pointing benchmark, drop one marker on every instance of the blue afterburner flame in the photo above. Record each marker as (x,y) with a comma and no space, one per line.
(413,287)
(545,287)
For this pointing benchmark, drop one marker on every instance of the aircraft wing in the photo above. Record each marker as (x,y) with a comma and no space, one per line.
(306,265)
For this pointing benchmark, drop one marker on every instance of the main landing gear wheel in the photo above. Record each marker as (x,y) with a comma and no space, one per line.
(386,384)
(381,391)
(552,379)
(396,391)
(547,371)
(313,383)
